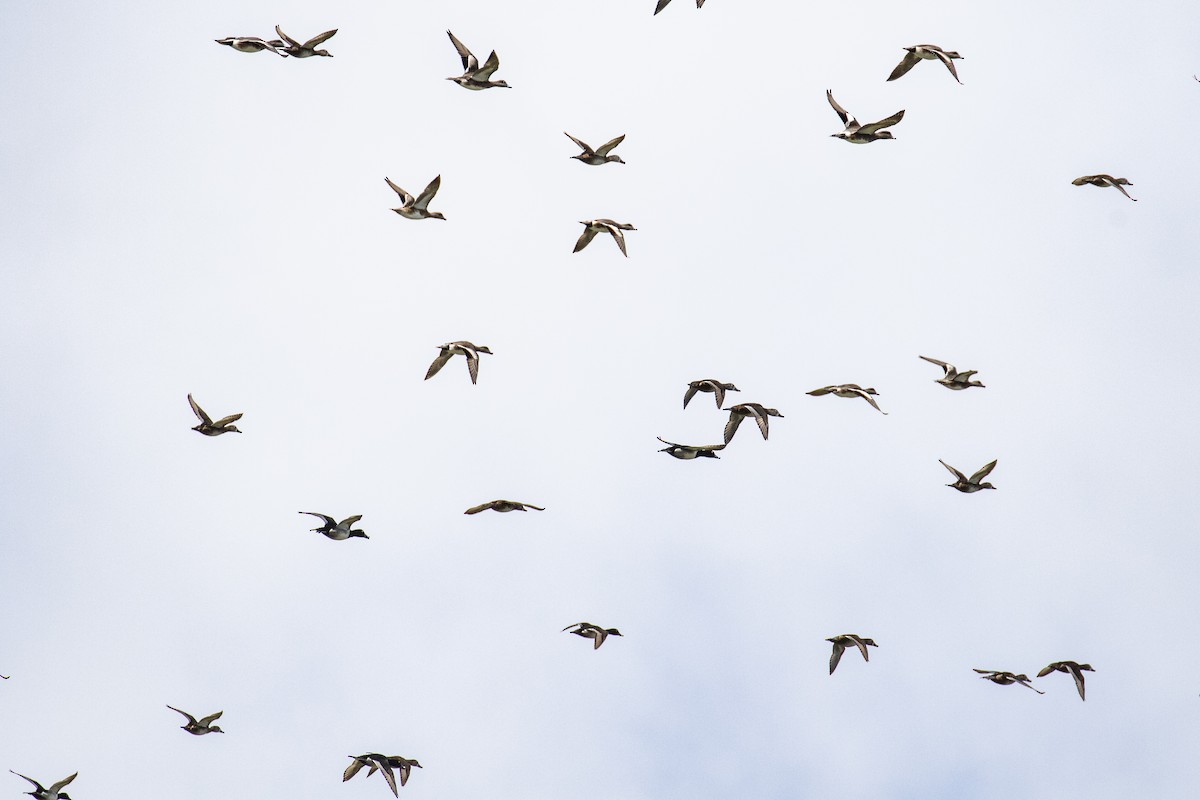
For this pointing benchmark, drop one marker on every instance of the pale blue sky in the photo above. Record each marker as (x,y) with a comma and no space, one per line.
(178,217)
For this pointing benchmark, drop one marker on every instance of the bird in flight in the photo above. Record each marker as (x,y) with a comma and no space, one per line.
(202,726)
(210,428)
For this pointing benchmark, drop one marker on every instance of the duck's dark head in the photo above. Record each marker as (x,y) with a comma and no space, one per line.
(707,454)
(232,429)
(501,85)
(616,159)
(884,135)
(986,486)
(211,729)
(612,632)
(484,350)
(359,533)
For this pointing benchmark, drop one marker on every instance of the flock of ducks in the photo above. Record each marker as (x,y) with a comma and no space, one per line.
(477,77)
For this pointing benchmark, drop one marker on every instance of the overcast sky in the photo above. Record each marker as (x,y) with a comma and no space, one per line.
(180,217)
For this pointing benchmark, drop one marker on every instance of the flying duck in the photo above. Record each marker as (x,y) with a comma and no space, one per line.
(476,77)
(687,452)
(1105,180)
(972,484)
(594,632)
(929,52)
(1072,668)
(385,765)
(840,643)
(600,154)
(417,207)
(849,390)
(463,348)
(709,385)
(503,506)
(741,411)
(953,379)
(594,226)
(335,530)
(210,428)
(201,727)
(862,134)
(53,793)
(1006,678)
(308,49)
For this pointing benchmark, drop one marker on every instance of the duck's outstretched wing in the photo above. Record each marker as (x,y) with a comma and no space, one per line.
(37,785)
(491,65)
(54,788)
(438,363)
(945,366)
(405,197)
(661,5)
(320,37)
(735,419)
(1027,685)
(287,38)
(883,123)
(983,472)
(585,238)
(1121,189)
(329,521)
(619,238)
(841,112)
(958,476)
(587,150)
(865,396)
(862,648)
(211,718)
(388,775)
(908,62)
(427,193)
(761,419)
(191,720)
(353,769)
(198,411)
(603,149)
(945,59)
(836,656)
(469,62)
(223,421)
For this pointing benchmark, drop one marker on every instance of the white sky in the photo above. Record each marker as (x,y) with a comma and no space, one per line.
(178,217)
